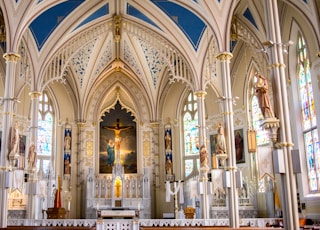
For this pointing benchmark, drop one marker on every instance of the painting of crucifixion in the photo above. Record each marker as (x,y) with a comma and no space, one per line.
(118,140)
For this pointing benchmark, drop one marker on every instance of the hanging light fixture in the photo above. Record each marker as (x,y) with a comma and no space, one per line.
(284,46)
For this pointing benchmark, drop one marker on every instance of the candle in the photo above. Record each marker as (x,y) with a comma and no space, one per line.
(69,205)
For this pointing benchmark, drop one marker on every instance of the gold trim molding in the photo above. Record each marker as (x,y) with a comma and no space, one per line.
(35,94)
(154,124)
(285,144)
(224,56)
(277,65)
(13,57)
(81,124)
(200,94)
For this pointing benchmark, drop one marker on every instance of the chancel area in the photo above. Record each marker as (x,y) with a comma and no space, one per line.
(140,114)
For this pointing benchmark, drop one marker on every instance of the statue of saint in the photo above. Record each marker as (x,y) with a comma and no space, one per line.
(67,142)
(263,96)
(221,141)
(15,140)
(67,164)
(203,157)
(32,157)
(168,165)
(167,139)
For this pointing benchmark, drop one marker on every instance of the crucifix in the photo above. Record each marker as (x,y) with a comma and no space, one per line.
(177,189)
(117,130)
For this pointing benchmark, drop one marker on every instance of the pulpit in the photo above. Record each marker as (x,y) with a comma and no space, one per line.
(189,212)
(56,213)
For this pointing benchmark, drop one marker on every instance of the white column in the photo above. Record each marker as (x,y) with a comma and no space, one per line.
(224,61)
(202,141)
(81,149)
(8,104)
(32,172)
(201,116)
(290,206)
(154,151)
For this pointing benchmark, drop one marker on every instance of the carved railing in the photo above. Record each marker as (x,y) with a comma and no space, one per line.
(128,224)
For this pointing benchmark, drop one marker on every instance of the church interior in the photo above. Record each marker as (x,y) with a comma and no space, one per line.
(160,112)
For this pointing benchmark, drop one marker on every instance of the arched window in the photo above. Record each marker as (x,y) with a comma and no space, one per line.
(308,112)
(45,133)
(191,135)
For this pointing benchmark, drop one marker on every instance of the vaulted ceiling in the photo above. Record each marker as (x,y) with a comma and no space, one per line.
(154,43)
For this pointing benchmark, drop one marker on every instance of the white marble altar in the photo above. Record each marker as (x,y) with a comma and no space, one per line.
(118,191)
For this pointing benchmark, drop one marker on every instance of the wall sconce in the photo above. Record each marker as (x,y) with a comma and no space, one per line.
(262,50)
(268,43)
(285,46)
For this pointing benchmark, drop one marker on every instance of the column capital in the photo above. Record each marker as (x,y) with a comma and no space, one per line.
(11,57)
(81,124)
(200,93)
(154,124)
(277,65)
(35,94)
(224,56)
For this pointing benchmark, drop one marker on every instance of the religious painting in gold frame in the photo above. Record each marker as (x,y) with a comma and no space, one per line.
(239,146)
(118,122)
(213,142)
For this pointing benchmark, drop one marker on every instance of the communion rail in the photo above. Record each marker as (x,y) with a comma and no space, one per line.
(136,224)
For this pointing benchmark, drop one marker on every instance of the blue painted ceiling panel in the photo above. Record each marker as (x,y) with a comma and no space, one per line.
(247,14)
(136,13)
(99,13)
(44,25)
(191,25)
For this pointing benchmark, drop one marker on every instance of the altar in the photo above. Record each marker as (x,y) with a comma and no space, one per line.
(118,214)
(118,195)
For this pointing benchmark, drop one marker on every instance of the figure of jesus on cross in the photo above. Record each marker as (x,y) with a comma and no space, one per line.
(117,138)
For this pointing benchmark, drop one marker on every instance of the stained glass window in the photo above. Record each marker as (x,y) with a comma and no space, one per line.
(191,135)
(45,131)
(308,112)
